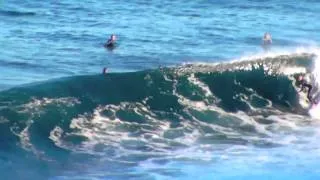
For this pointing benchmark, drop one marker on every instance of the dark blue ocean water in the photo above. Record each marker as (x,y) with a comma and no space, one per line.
(42,40)
(140,122)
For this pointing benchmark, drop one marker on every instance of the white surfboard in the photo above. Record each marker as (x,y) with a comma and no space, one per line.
(315,111)
(303,100)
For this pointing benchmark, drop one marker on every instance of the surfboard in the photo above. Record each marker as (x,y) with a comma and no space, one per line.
(303,100)
(314,109)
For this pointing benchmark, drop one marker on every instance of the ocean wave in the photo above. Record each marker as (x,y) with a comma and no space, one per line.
(136,116)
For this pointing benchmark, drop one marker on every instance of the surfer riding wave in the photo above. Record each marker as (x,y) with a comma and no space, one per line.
(303,84)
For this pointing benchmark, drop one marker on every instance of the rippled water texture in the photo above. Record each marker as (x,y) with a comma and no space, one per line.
(41,40)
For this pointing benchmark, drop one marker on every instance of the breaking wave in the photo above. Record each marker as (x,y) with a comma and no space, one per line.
(127,119)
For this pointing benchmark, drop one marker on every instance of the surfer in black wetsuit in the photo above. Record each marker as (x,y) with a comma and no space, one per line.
(303,84)
(104,70)
(111,42)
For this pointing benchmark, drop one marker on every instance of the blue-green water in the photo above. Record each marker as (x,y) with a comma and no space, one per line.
(198,116)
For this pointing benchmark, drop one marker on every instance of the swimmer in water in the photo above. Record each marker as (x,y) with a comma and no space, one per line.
(104,70)
(267,40)
(111,41)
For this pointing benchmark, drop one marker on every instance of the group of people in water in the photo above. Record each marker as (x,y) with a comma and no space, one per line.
(111,42)
(266,42)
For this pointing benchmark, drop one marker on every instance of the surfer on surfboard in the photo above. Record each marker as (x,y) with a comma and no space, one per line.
(104,70)
(303,84)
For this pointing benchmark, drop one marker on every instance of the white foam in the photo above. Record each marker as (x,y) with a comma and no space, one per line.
(200,84)
(25,139)
(292,70)
(250,121)
(287,121)
(100,129)
(55,135)
(279,52)
(315,111)
(258,59)
(36,104)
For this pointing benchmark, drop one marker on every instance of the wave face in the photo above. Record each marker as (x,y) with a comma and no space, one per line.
(118,121)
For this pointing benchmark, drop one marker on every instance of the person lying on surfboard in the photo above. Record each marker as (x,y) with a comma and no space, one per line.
(267,40)
(303,85)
